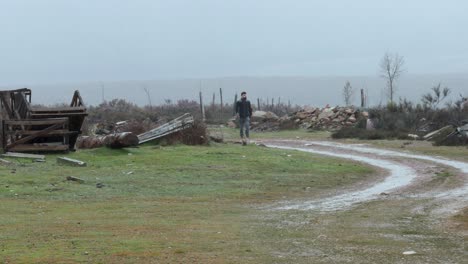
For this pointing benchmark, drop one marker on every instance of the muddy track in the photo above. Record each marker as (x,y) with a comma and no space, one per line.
(406,175)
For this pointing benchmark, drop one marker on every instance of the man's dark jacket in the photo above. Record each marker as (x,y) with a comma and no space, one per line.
(243,108)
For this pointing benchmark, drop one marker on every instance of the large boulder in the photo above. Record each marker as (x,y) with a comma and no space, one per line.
(258,116)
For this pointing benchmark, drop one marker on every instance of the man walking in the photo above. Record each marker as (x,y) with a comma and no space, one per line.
(244,112)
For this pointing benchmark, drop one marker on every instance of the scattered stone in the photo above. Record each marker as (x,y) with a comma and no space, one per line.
(216,138)
(232,123)
(99,185)
(327,118)
(71,178)
(411,252)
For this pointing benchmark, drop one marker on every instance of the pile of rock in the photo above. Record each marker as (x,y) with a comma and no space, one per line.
(264,121)
(328,118)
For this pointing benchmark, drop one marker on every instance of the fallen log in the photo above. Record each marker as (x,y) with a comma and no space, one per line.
(118,140)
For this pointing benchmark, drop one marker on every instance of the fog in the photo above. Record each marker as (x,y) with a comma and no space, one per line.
(302,50)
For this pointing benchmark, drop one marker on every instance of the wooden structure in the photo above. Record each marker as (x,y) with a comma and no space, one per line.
(25,128)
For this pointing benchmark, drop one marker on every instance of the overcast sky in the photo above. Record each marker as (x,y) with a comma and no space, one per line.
(52,41)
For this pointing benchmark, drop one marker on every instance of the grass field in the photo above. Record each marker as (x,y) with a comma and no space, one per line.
(175,204)
(202,204)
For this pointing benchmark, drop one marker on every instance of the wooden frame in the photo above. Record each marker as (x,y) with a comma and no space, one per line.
(28,129)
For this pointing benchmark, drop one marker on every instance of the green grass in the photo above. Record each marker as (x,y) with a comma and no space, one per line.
(171,204)
(181,204)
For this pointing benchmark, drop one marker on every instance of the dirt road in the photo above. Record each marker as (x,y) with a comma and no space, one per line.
(408,213)
(406,174)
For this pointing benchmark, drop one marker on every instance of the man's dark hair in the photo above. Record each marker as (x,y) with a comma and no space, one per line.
(243,93)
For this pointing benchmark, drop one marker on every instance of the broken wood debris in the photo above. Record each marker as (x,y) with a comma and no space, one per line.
(75,179)
(23,155)
(70,162)
(5,162)
(180,123)
(26,128)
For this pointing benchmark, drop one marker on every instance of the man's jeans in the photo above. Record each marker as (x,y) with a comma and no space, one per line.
(244,123)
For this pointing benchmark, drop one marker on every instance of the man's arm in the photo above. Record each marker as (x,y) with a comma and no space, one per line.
(250,109)
(237,107)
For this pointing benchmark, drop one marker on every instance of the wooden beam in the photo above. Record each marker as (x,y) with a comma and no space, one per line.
(52,115)
(39,148)
(30,122)
(22,155)
(30,132)
(6,106)
(34,135)
(5,162)
(70,162)
(58,109)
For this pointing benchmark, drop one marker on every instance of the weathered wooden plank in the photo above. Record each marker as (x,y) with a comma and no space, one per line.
(164,131)
(3,161)
(70,162)
(39,148)
(173,126)
(22,155)
(58,109)
(60,114)
(54,132)
(30,122)
(33,136)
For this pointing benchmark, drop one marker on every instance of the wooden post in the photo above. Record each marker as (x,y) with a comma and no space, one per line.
(258,104)
(221,97)
(213,102)
(362,98)
(202,107)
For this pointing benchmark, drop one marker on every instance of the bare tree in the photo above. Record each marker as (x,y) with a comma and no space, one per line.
(433,100)
(391,68)
(348,93)
(148,96)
